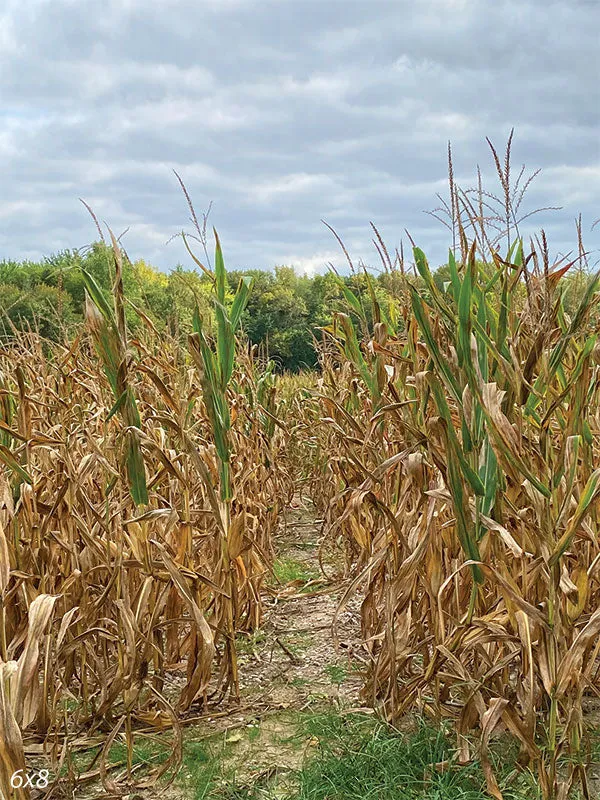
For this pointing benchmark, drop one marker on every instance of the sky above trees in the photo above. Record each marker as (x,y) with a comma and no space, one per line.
(286,113)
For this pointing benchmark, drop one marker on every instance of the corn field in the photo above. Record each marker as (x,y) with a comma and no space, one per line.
(452,446)
(139,493)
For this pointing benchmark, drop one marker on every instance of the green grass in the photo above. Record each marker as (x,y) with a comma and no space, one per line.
(246,643)
(299,682)
(359,758)
(351,757)
(337,673)
(253,732)
(201,768)
(148,751)
(287,570)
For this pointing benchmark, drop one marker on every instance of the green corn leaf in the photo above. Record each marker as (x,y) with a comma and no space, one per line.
(225,346)
(423,266)
(463,520)
(225,479)
(471,476)
(502,358)
(582,358)
(136,473)
(353,352)
(374,301)
(425,272)
(214,400)
(197,321)
(493,280)
(454,276)
(117,406)
(131,415)
(489,477)
(220,274)
(97,295)
(483,318)
(440,362)
(240,300)
(353,301)
(464,321)
(11,462)
(516,250)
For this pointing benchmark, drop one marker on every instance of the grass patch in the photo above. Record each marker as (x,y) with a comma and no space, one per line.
(360,758)
(288,570)
(246,643)
(241,763)
(150,751)
(253,732)
(299,682)
(337,673)
(200,770)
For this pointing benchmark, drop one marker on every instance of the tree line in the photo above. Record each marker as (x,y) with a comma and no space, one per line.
(286,311)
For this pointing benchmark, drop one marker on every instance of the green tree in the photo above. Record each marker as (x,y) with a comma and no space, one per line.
(45,309)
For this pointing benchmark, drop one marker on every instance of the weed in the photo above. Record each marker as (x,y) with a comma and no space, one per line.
(336,673)
(288,570)
(359,758)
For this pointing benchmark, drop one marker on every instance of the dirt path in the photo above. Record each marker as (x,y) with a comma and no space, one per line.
(293,658)
(290,665)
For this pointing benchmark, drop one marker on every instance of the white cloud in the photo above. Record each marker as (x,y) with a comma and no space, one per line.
(298,183)
(311,265)
(576,185)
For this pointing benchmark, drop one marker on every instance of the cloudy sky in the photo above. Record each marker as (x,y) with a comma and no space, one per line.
(286,112)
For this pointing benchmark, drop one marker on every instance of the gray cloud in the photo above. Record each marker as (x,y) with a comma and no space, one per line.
(284,113)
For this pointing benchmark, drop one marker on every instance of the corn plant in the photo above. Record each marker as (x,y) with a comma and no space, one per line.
(215,364)
(109,331)
(474,509)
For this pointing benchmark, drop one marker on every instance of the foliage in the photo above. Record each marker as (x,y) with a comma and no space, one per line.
(285,314)
(359,757)
(42,308)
